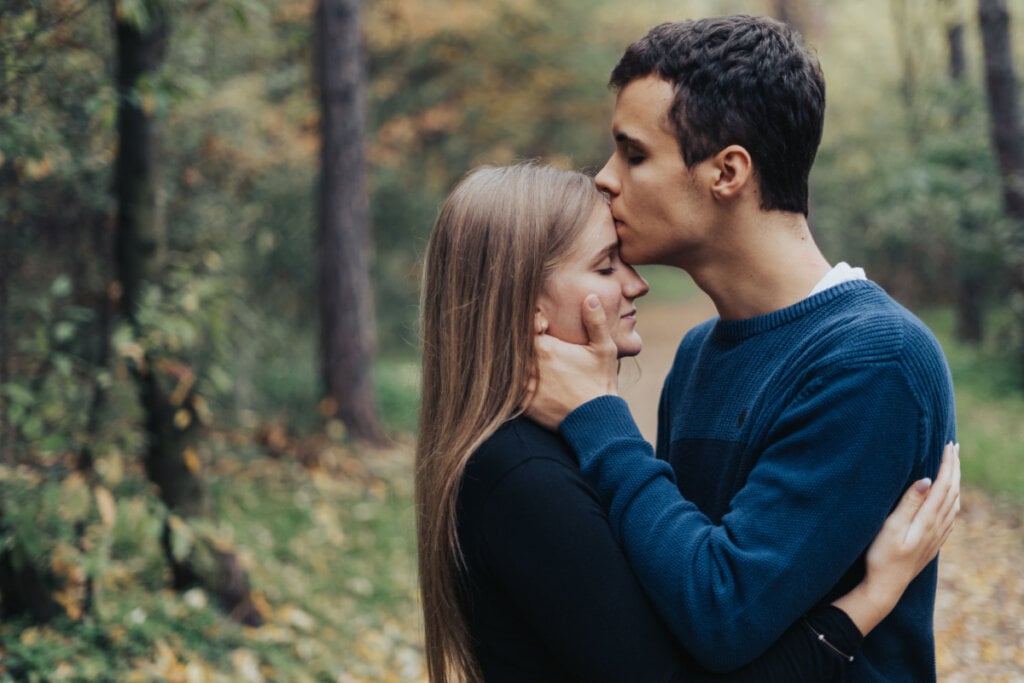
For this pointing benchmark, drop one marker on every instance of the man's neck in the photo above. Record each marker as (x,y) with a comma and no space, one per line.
(760,266)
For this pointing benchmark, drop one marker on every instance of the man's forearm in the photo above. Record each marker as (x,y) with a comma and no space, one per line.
(729,591)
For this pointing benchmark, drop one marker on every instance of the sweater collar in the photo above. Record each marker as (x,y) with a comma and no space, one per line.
(736,330)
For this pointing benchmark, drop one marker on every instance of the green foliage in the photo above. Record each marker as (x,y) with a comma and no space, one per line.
(47,409)
(398,390)
(468,84)
(333,557)
(990,402)
(667,284)
(919,213)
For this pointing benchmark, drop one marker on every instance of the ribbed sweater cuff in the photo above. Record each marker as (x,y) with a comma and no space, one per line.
(591,426)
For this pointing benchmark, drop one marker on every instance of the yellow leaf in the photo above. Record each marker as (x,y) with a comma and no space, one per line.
(191,459)
(247,665)
(38,169)
(74,497)
(182,418)
(111,467)
(106,505)
(989,651)
(328,407)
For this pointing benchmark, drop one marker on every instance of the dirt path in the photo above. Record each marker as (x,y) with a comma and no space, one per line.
(979,615)
(661,326)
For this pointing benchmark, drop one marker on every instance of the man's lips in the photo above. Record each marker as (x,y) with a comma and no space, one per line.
(631,315)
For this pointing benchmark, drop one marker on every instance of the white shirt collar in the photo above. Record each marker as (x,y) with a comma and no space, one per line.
(841,272)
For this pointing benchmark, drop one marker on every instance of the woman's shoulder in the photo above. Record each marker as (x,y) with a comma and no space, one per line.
(519,451)
(516,443)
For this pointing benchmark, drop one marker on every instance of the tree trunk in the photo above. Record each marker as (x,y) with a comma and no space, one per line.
(1004,102)
(25,589)
(170,417)
(957,56)
(904,29)
(140,52)
(346,296)
(1007,137)
(6,438)
(970,273)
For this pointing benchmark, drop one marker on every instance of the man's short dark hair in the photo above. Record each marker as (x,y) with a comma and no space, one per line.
(741,80)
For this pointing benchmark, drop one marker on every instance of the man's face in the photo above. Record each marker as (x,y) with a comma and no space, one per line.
(659,209)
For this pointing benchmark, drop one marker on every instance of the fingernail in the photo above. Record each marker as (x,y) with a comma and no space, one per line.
(593,303)
(922,485)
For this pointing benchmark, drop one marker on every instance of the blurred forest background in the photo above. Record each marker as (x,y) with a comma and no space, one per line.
(211,218)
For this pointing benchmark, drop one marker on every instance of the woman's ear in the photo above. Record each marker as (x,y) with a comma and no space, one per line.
(540,322)
(734,169)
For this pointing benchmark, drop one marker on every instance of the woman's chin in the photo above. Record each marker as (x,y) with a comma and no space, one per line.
(631,348)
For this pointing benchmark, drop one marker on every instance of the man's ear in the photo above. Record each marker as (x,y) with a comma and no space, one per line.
(734,169)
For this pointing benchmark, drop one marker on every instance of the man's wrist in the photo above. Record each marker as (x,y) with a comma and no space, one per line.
(610,412)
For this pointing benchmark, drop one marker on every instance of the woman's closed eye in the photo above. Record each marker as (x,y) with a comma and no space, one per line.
(607,266)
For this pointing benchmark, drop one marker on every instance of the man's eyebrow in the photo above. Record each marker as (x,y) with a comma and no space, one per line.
(626,139)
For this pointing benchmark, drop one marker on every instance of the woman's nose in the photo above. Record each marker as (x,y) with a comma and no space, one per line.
(636,285)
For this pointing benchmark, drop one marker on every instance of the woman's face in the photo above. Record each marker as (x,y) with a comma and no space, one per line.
(593,266)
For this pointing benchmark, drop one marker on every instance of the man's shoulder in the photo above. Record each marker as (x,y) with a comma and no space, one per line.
(695,338)
(871,320)
(867,327)
(700,331)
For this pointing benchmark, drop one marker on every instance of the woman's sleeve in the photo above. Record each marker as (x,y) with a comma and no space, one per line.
(547,541)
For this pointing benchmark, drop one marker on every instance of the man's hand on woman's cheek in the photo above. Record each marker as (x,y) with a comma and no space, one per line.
(569,375)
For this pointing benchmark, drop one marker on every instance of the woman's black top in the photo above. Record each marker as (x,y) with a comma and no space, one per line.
(549,596)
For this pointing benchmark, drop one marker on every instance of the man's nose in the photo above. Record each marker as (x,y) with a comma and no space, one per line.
(606,180)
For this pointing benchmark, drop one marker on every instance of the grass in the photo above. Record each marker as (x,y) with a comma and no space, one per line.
(398,389)
(287,387)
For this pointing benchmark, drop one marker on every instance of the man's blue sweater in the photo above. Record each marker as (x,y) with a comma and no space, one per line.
(792,435)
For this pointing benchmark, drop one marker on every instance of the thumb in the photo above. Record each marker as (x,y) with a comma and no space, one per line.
(596,323)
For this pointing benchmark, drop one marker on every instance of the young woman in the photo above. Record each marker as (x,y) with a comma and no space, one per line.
(520,575)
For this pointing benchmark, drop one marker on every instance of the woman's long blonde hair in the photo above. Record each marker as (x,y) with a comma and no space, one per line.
(499,232)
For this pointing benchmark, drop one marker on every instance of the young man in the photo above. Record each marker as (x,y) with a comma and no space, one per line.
(791,423)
